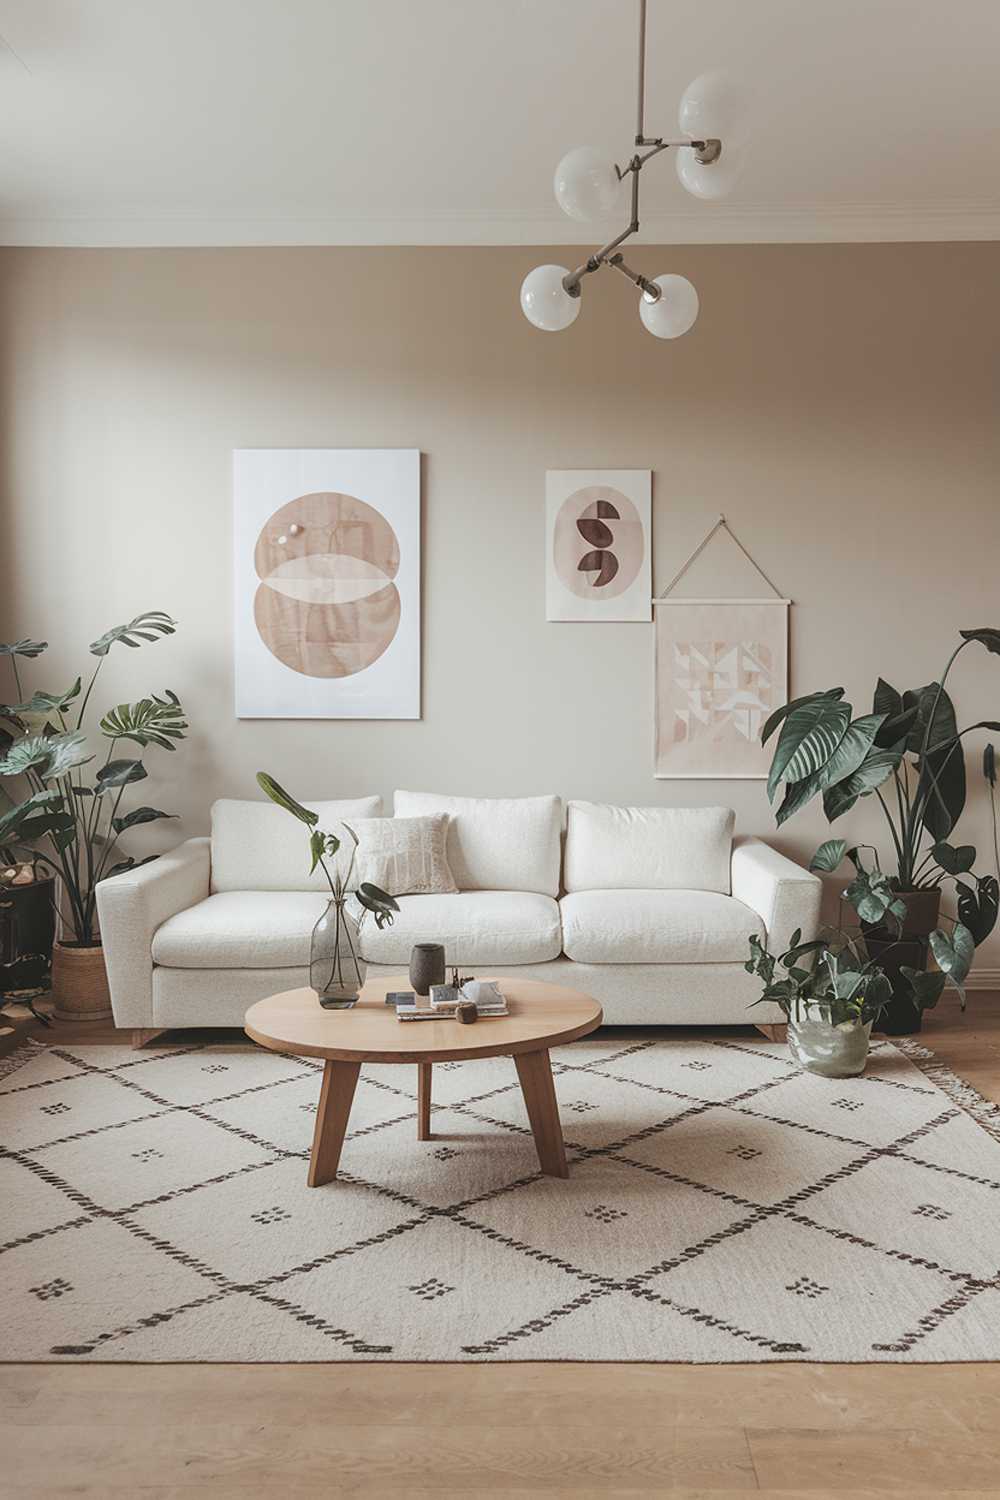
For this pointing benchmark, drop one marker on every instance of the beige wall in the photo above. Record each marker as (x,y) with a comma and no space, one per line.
(839,403)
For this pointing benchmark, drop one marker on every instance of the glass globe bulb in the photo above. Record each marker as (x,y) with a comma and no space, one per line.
(674,311)
(545,301)
(713,107)
(587,185)
(714,179)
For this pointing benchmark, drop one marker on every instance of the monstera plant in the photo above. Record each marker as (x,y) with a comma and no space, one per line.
(68,818)
(908,753)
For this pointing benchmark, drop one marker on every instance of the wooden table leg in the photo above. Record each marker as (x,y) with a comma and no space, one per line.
(424,1101)
(535,1072)
(335,1099)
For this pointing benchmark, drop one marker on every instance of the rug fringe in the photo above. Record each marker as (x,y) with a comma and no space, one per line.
(984,1111)
(24,1052)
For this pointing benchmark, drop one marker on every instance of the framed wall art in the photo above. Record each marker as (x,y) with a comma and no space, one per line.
(327,583)
(597,544)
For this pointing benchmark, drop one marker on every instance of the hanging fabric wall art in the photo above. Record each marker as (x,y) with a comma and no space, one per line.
(721,667)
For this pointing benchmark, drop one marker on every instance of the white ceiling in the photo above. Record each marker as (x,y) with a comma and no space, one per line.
(186,122)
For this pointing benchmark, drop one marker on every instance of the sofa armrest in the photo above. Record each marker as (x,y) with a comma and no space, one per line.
(131,906)
(782,893)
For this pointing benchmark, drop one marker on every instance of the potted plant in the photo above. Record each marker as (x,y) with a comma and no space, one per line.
(908,753)
(336,968)
(831,994)
(69,821)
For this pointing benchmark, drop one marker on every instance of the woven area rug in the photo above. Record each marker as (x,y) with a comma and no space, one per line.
(722,1207)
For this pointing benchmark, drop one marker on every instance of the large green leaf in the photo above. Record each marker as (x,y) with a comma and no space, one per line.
(886,700)
(857,740)
(941,788)
(876,767)
(50,755)
(898,721)
(25,754)
(932,700)
(145,627)
(13,820)
(796,797)
(986,636)
(138,815)
(118,773)
(151,721)
(828,856)
(44,704)
(927,987)
(381,905)
(772,722)
(954,861)
(978,906)
(954,954)
(284,799)
(808,738)
(23,648)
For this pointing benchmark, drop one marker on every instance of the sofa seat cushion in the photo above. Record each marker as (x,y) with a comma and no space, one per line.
(476,927)
(657,927)
(241,930)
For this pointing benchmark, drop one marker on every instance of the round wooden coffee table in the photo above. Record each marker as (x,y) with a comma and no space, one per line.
(541,1016)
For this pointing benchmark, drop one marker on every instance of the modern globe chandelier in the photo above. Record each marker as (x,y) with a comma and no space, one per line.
(709,159)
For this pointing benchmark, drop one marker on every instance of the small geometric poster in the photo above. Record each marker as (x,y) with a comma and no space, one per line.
(327,583)
(721,667)
(597,544)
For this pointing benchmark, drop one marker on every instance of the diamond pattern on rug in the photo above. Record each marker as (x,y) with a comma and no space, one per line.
(722,1206)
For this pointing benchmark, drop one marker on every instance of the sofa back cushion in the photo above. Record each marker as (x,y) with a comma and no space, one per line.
(648,848)
(496,843)
(257,846)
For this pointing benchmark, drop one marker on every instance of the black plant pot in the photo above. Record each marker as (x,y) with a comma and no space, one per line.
(27,927)
(908,949)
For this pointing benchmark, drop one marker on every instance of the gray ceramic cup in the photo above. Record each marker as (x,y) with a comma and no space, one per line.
(426,966)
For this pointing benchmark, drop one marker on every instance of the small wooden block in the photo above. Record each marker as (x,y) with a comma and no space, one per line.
(775,1031)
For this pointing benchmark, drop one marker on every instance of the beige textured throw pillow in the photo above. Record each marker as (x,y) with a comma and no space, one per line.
(405,856)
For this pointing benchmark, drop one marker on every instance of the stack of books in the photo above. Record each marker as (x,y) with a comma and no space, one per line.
(485,994)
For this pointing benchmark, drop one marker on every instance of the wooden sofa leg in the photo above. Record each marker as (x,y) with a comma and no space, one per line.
(775,1031)
(142,1036)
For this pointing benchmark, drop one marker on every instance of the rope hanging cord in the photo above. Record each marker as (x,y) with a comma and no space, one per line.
(721,525)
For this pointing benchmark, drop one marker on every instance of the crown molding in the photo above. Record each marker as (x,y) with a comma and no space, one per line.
(751,225)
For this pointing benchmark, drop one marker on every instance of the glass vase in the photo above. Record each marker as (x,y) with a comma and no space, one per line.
(336,969)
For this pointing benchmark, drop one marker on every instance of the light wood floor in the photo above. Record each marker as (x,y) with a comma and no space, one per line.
(412,1432)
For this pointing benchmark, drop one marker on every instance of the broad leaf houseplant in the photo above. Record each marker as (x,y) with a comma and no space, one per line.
(68,819)
(831,992)
(336,968)
(908,753)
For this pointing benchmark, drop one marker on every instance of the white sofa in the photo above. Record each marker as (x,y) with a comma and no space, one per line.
(650,910)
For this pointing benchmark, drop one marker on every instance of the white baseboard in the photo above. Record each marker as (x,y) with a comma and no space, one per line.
(983,979)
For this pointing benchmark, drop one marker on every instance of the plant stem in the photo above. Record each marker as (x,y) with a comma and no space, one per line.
(892,830)
(90,689)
